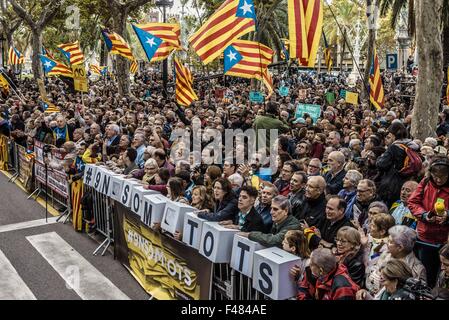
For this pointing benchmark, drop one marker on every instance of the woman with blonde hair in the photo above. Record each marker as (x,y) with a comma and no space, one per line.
(150,168)
(201,200)
(350,253)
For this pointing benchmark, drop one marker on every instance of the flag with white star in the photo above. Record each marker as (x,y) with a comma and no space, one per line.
(158,40)
(54,67)
(247,59)
(232,20)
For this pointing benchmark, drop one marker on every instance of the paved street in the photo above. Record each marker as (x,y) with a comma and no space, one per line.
(38,259)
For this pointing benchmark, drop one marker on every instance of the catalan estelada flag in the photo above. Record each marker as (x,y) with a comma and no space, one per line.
(100,70)
(285,44)
(134,66)
(268,82)
(55,68)
(72,52)
(14,56)
(247,59)
(47,53)
(233,19)
(305,23)
(376,89)
(327,54)
(117,45)
(158,40)
(50,107)
(185,94)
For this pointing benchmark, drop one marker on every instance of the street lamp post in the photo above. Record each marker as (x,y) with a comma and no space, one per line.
(164,4)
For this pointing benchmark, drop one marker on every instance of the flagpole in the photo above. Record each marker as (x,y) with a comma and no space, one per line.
(349,47)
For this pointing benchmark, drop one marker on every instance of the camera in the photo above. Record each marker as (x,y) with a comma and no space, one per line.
(418,290)
(360,161)
(46,148)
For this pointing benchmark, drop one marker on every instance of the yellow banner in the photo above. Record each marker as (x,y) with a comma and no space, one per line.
(352,97)
(3,153)
(77,213)
(161,272)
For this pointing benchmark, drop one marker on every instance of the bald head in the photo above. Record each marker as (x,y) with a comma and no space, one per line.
(336,161)
(407,189)
(315,187)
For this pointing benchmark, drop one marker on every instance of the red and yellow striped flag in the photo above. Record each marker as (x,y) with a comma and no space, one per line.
(376,89)
(268,82)
(232,20)
(14,56)
(117,45)
(247,59)
(167,33)
(72,52)
(134,66)
(305,23)
(185,94)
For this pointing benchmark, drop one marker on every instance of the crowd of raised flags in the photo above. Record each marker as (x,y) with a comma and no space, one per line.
(220,36)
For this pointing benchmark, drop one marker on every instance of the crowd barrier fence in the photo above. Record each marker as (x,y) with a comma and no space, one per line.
(109,191)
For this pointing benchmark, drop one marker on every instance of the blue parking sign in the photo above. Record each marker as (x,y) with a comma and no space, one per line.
(392,61)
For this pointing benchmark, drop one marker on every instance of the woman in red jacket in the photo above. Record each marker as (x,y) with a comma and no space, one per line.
(433,226)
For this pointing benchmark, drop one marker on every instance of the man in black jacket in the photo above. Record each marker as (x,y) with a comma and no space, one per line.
(335,219)
(247,220)
(314,204)
(334,177)
(297,191)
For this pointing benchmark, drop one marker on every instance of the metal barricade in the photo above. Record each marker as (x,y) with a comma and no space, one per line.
(102,207)
(13,160)
(243,288)
(221,287)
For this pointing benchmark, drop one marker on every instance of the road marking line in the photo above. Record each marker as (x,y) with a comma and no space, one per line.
(27,224)
(86,280)
(12,286)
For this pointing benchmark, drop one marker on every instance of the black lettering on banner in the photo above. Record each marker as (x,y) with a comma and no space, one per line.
(106,181)
(147,213)
(193,226)
(244,248)
(97,179)
(88,175)
(211,248)
(125,194)
(264,267)
(136,202)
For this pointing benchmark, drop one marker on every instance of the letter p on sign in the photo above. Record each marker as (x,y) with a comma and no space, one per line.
(392,61)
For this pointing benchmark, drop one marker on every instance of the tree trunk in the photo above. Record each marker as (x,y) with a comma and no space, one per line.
(370,44)
(122,64)
(430,76)
(36,43)
(445,44)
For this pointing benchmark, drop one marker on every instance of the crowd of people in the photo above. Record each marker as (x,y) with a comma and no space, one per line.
(354,196)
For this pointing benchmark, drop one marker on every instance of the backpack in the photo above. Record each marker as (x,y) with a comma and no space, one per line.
(412,161)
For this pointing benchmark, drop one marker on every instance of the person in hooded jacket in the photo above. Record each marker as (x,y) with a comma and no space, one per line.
(392,161)
(432,226)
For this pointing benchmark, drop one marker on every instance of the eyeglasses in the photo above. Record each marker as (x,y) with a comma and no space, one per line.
(313,167)
(363,191)
(342,241)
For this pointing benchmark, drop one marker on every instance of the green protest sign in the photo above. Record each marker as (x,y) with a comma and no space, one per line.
(330,97)
(256,96)
(283,91)
(314,110)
